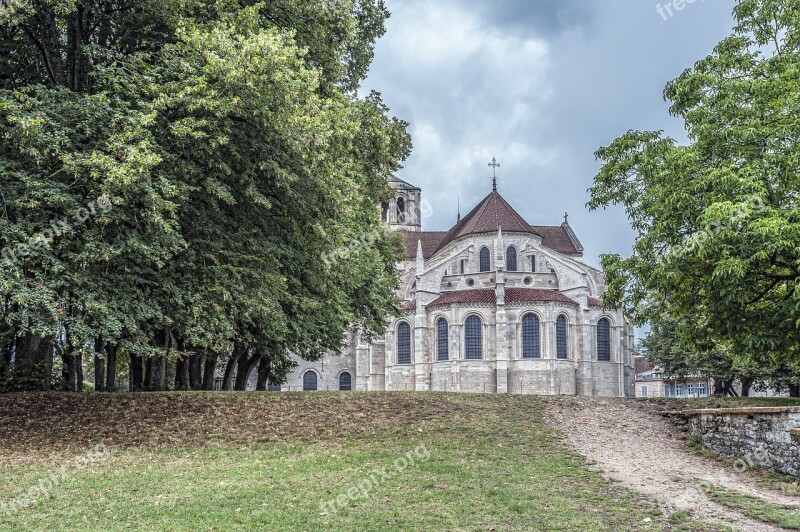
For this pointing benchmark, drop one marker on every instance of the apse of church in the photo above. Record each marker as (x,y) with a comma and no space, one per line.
(491,305)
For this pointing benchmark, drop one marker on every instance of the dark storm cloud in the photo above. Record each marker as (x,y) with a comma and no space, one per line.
(539,84)
(544,17)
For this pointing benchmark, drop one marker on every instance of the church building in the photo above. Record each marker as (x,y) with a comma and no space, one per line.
(492,305)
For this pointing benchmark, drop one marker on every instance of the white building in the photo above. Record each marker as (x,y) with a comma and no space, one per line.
(493,305)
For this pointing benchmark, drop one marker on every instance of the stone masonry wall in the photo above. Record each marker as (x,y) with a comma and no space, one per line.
(768,437)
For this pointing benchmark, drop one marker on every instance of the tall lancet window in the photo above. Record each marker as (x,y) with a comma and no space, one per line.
(561,337)
(511,259)
(531,344)
(403,343)
(604,340)
(442,336)
(401,210)
(473,338)
(485,259)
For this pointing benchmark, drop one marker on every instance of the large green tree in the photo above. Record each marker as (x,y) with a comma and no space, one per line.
(225,153)
(718,220)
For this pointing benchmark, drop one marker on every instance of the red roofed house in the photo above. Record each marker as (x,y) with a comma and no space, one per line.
(492,305)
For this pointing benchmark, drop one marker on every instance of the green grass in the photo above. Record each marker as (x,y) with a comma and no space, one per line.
(755,507)
(492,466)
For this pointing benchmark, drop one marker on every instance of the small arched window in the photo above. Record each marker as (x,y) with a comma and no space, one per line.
(345,382)
(604,340)
(484,259)
(531,340)
(309,381)
(442,336)
(401,210)
(403,343)
(511,259)
(561,337)
(473,338)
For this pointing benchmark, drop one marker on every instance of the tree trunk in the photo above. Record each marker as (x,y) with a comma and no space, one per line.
(794,390)
(99,367)
(8,337)
(747,383)
(79,366)
(136,373)
(111,369)
(245,368)
(182,373)
(195,376)
(5,362)
(719,387)
(264,368)
(148,373)
(209,371)
(238,352)
(34,362)
(70,372)
(157,373)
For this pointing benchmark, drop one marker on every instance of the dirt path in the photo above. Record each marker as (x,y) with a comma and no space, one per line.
(648,454)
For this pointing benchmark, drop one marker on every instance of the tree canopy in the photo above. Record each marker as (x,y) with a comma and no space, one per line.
(717,252)
(204,157)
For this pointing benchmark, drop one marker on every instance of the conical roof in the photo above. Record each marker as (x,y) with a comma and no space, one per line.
(491,214)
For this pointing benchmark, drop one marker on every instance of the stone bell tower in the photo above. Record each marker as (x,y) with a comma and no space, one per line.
(403,213)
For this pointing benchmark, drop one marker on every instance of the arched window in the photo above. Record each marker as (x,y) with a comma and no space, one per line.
(309,381)
(485,259)
(401,210)
(442,337)
(604,340)
(403,343)
(384,211)
(345,382)
(561,337)
(531,341)
(511,259)
(473,338)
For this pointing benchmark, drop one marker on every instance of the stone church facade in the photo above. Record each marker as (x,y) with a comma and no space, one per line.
(493,305)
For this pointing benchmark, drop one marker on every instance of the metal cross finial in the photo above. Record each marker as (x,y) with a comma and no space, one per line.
(495,165)
(566,217)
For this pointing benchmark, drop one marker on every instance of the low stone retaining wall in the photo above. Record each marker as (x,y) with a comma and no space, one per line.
(768,437)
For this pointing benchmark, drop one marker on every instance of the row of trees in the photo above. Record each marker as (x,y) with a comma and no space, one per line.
(172,172)
(665,349)
(716,263)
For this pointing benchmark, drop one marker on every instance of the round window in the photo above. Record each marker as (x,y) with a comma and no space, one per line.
(470,282)
(527,280)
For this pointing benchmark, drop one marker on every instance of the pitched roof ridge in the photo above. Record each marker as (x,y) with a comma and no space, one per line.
(473,222)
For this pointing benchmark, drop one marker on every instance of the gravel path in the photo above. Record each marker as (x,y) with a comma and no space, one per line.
(646,453)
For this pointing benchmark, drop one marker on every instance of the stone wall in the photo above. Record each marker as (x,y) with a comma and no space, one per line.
(767,437)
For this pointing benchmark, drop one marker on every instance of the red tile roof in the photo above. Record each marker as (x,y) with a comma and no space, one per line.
(596,302)
(430,241)
(513,295)
(534,295)
(556,238)
(491,214)
(408,306)
(478,295)
(642,365)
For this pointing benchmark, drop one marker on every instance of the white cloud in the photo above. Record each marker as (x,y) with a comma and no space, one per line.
(469,90)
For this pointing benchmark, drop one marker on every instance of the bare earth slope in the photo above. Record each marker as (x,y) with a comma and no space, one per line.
(632,444)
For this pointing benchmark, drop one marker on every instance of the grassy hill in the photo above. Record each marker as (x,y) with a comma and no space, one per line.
(301,461)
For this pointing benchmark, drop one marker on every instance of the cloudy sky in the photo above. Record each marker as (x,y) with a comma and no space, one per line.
(541,85)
